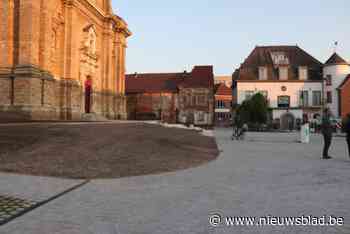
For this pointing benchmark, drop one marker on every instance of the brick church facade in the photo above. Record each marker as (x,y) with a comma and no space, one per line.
(60,59)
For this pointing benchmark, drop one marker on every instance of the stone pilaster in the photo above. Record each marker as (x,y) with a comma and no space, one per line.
(29,35)
(67,54)
(6,33)
(71,103)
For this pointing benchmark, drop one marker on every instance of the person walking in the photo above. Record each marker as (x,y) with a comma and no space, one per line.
(347,131)
(327,132)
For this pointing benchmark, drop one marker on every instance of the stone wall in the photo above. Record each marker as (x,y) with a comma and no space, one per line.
(49,49)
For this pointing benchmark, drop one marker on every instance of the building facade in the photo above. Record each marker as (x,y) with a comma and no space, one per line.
(60,59)
(186,97)
(223,105)
(153,96)
(344,97)
(289,78)
(335,71)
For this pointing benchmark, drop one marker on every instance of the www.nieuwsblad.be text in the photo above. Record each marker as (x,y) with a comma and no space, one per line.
(216,220)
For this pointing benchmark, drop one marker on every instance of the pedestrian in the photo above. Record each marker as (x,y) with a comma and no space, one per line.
(327,132)
(235,127)
(243,131)
(347,131)
(305,130)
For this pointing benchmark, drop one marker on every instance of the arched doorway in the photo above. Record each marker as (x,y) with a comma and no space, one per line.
(88,96)
(287,121)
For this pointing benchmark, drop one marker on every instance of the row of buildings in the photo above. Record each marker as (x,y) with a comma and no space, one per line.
(295,84)
(195,97)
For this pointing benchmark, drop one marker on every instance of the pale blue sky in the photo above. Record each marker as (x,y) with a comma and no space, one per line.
(171,36)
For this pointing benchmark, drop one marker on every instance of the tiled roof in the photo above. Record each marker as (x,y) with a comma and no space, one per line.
(335,59)
(153,83)
(275,56)
(261,56)
(200,77)
(222,89)
(347,79)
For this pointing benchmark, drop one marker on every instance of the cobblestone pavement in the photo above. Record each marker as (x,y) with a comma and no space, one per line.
(267,174)
(21,193)
(11,206)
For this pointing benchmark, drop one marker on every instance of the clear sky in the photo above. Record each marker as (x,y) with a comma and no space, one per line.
(171,36)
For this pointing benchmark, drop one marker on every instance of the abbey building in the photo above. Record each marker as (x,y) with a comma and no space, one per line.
(61,59)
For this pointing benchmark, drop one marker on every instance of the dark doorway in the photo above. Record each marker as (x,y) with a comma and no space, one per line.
(88,92)
(287,121)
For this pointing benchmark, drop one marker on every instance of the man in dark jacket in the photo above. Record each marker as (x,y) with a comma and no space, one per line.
(327,132)
(347,131)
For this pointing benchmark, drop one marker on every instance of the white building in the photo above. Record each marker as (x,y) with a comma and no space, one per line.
(288,77)
(285,97)
(335,70)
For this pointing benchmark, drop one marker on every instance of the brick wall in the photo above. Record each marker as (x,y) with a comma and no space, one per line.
(190,107)
(152,104)
(345,99)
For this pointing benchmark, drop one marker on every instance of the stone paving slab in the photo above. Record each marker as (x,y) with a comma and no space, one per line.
(257,177)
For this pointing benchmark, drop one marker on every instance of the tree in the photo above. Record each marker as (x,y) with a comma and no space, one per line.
(254,110)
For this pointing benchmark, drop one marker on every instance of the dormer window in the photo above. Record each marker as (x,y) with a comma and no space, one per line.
(303,73)
(262,73)
(283,73)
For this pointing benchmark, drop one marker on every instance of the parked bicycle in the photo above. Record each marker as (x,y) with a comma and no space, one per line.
(239,133)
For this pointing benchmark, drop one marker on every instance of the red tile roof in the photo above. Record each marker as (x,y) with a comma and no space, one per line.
(261,56)
(335,59)
(200,77)
(222,89)
(153,83)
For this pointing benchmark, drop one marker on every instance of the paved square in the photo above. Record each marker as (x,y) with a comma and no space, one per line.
(268,174)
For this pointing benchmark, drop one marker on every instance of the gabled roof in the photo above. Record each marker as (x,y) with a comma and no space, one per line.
(335,59)
(222,89)
(346,80)
(273,57)
(153,82)
(200,77)
(261,56)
